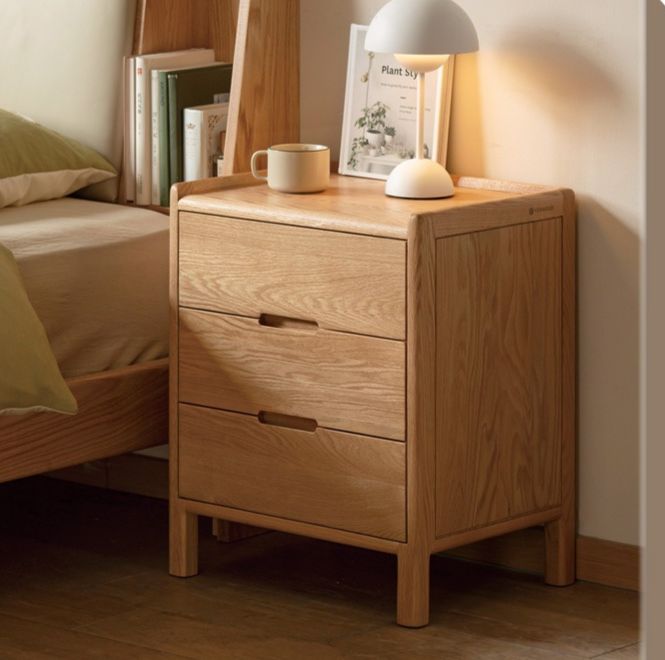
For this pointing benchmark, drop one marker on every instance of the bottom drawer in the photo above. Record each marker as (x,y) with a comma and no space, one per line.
(323,477)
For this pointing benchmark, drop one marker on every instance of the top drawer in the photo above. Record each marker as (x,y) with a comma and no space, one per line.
(342,281)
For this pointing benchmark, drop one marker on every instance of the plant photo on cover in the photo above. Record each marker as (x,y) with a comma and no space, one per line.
(379,127)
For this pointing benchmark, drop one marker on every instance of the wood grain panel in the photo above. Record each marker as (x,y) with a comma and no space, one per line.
(345,382)
(222,28)
(507,526)
(360,206)
(560,545)
(219,184)
(314,531)
(264,108)
(498,452)
(524,209)
(341,281)
(516,187)
(165,25)
(119,411)
(413,559)
(329,478)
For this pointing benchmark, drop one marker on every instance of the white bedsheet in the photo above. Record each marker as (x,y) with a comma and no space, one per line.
(97,276)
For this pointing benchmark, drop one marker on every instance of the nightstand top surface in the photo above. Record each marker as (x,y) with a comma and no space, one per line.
(350,204)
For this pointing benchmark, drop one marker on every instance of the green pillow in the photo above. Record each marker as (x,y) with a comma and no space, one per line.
(37,163)
(30,380)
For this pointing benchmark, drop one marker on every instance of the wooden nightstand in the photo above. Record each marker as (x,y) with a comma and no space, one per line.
(393,374)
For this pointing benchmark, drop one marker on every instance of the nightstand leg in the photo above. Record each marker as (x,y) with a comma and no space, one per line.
(183,542)
(413,587)
(560,552)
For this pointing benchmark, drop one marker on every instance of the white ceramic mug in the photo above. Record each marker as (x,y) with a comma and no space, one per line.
(295,168)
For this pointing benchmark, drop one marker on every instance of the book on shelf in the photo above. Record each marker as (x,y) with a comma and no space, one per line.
(189,88)
(160,138)
(128,123)
(160,175)
(204,129)
(143,65)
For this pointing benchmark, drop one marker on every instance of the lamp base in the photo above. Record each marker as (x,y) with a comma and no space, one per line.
(420,178)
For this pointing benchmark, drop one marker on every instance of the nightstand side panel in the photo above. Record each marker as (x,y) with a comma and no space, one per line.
(499,375)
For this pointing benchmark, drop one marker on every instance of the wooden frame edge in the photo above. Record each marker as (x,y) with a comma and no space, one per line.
(290,526)
(497,529)
(499,185)
(120,411)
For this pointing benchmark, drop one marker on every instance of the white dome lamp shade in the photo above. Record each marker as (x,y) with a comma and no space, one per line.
(421,34)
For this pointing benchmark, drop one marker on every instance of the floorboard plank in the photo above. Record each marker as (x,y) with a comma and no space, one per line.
(23,639)
(632,652)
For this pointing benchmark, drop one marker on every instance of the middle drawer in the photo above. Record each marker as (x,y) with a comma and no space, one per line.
(343,381)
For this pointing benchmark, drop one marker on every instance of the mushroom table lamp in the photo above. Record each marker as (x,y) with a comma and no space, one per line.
(421,34)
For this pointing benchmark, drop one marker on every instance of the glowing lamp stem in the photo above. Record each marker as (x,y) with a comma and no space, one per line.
(420,123)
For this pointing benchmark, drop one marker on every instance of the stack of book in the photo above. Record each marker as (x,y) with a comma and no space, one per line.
(176,106)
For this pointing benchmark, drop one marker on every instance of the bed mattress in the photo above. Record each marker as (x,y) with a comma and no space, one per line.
(97,276)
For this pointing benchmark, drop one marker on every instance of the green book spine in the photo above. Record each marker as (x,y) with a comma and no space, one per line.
(188,88)
(175,146)
(163,144)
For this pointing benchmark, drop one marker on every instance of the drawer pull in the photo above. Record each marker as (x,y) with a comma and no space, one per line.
(288,421)
(275,321)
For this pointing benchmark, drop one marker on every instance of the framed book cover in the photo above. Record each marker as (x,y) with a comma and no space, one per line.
(379,126)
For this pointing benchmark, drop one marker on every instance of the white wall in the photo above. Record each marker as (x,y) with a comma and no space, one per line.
(553,97)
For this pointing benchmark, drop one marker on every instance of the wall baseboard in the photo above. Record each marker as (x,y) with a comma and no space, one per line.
(600,561)
(603,562)
(608,562)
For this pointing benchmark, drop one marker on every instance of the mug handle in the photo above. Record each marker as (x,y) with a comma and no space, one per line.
(255,171)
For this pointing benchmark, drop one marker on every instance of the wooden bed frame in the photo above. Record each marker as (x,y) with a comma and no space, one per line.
(124,410)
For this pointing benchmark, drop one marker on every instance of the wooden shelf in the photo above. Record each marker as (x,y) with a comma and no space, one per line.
(261,38)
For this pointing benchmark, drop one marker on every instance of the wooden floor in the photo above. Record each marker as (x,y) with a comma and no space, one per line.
(83,575)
